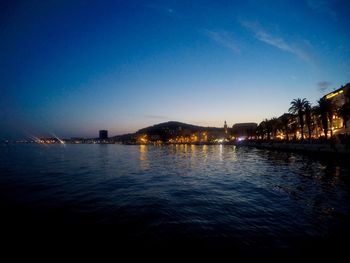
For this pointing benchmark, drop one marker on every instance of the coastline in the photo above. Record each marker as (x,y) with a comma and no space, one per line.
(341,149)
(301,147)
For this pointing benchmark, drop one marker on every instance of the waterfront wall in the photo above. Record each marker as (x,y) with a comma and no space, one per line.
(302,147)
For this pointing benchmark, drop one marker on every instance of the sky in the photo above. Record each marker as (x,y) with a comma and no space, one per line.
(71,68)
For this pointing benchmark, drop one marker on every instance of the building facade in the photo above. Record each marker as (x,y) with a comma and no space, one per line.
(338,98)
(244,130)
(103,135)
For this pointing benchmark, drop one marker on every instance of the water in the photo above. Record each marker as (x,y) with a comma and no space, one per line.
(220,196)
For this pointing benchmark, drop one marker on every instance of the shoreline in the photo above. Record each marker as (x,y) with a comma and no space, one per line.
(339,149)
(313,148)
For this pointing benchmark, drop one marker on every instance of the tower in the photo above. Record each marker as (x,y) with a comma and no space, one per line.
(103,135)
(225,128)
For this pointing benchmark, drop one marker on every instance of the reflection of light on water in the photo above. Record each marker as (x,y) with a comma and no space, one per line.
(226,153)
(193,154)
(144,163)
(234,152)
(220,151)
(180,148)
(205,151)
(193,150)
(261,186)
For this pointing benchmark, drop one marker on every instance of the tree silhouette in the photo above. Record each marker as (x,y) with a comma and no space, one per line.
(308,117)
(298,107)
(325,110)
(285,119)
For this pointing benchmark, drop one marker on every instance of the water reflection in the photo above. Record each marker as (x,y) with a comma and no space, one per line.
(103,151)
(193,151)
(233,153)
(144,162)
(194,157)
(317,184)
(239,195)
(205,151)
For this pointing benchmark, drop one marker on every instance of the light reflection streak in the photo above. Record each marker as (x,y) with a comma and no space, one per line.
(220,151)
(234,153)
(144,163)
(205,152)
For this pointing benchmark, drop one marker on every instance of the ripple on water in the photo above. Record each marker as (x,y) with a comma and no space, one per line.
(248,196)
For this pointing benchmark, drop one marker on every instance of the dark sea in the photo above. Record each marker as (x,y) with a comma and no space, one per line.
(220,196)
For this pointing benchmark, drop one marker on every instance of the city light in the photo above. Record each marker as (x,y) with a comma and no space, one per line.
(331,95)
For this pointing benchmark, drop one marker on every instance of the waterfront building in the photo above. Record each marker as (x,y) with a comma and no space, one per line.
(244,130)
(226,132)
(338,98)
(77,140)
(216,134)
(103,135)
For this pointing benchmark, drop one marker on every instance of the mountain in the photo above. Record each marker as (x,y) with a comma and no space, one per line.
(170,125)
(166,130)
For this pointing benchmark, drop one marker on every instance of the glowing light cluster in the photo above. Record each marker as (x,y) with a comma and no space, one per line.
(331,95)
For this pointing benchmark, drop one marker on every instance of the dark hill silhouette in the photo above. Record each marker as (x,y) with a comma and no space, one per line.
(170,125)
(174,126)
(165,130)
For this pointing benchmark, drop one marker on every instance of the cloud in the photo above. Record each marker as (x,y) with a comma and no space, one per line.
(277,42)
(323,7)
(323,85)
(223,38)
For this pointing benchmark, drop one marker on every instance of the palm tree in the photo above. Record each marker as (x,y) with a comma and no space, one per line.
(298,107)
(284,119)
(316,118)
(325,110)
(275,126)
(268,128)
(308,117)
(344,113)
(294,129)
(260,130)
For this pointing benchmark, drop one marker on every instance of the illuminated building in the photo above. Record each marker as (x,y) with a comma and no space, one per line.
(244,130)
(338,98)
(77,140)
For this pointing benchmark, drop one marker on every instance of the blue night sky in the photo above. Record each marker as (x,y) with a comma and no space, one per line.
(74,67)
